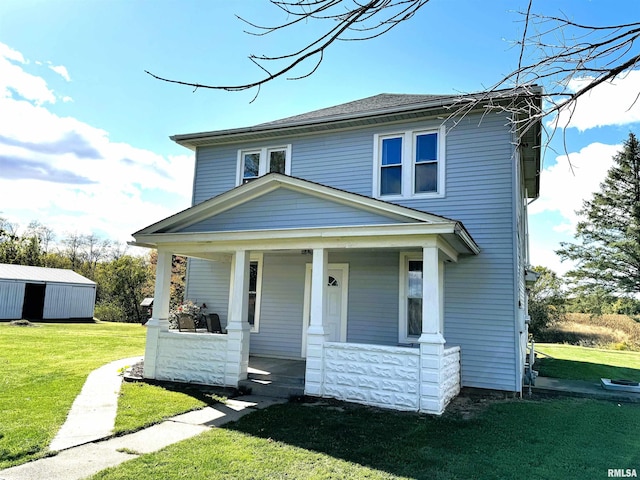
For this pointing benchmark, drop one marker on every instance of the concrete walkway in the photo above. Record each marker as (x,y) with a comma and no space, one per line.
(93,412)
(85,438)
(579,388)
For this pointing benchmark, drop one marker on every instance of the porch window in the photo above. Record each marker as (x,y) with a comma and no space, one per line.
(414,298)
(410,315)
(260,161)
(255,287)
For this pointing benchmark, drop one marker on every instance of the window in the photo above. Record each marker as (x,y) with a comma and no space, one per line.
(414,298)
(409,164)
(391,166)
(260,161)
(411,274)
(255,291)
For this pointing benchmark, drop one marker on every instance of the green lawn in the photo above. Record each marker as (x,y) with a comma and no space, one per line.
(43,369)
(582,363)
(513,439)
(141,404)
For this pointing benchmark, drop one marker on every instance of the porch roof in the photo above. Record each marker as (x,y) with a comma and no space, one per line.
(405,227)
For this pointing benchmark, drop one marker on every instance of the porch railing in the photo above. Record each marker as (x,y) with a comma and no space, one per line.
(192,357)
(372,374)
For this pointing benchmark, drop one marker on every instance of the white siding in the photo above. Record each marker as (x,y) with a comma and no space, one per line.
(68,301)
(11,300)
(208,282)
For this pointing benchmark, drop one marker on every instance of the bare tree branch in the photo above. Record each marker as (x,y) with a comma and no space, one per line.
(568,58)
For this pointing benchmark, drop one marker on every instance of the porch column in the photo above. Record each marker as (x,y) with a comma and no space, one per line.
(159,322)
(316,335)
(431,341)
(238,328)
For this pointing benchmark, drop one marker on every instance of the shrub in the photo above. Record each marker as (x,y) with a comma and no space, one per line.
(109,312)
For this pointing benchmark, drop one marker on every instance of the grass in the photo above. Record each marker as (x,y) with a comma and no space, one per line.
(511,439)
(141,405)
(582,363)
(43,369)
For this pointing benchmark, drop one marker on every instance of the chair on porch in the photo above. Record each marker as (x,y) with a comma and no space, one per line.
(186,323)
(213,323)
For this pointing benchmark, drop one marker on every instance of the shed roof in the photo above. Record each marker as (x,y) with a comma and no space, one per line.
(41,274)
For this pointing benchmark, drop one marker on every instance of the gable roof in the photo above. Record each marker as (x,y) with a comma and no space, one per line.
(272,181)
(41,274)
(404,222)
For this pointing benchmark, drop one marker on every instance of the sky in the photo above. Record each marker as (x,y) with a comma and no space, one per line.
(84,131)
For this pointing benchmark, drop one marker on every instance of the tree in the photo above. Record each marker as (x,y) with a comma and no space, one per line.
(546,301)
(121,283)
(608,252)
(178,275)
(74,244)
(561,50)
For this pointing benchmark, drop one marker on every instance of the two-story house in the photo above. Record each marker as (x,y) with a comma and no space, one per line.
(380,240)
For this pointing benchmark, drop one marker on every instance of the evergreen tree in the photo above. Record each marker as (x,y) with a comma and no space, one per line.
(608,255)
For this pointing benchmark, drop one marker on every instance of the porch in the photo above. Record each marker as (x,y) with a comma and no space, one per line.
(392,353)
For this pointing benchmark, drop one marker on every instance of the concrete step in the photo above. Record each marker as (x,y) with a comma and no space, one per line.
(276,378)
(272,389)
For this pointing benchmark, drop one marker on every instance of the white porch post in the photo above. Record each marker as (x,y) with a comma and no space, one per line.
(238,328)
(160,319)
(316,335)
(431,341)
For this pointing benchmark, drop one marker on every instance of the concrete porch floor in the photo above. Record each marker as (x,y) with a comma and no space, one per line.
(275,377)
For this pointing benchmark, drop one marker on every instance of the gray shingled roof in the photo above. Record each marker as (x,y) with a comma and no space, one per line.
(361,107)
(41,274)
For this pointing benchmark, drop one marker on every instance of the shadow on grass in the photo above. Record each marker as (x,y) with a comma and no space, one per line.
(209,395)
(574,370)
(495,443)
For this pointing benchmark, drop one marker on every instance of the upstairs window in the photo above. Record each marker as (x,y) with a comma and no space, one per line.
(391,166)
(260,161)
(409,164)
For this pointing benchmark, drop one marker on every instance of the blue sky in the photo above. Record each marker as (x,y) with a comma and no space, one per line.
(84,131)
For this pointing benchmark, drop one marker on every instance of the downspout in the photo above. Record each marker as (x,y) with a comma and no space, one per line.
(516,200)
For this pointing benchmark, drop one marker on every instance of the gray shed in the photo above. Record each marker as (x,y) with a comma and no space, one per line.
(39,293)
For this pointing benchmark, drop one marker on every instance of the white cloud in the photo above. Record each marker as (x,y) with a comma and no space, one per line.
(10,54)
(610,103)
(545,255)
(70,175)
(13,78)
(571,180)
(62,71)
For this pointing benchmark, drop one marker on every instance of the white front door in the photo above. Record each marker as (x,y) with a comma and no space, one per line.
(335,321)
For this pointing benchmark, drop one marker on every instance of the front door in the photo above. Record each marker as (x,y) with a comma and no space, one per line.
(335,304)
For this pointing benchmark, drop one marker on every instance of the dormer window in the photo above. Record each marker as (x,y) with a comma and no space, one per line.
(409,164)
(256,162)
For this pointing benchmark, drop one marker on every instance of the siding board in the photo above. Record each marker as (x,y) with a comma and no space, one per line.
(284,208)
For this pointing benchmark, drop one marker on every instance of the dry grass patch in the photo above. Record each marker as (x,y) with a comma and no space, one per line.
(616,332)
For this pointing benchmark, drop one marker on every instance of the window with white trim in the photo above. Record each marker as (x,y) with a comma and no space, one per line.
(256,162)
(410,316)
(255,291)
(409,164)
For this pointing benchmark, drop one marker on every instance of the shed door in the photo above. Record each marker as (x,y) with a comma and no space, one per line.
(33,301)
